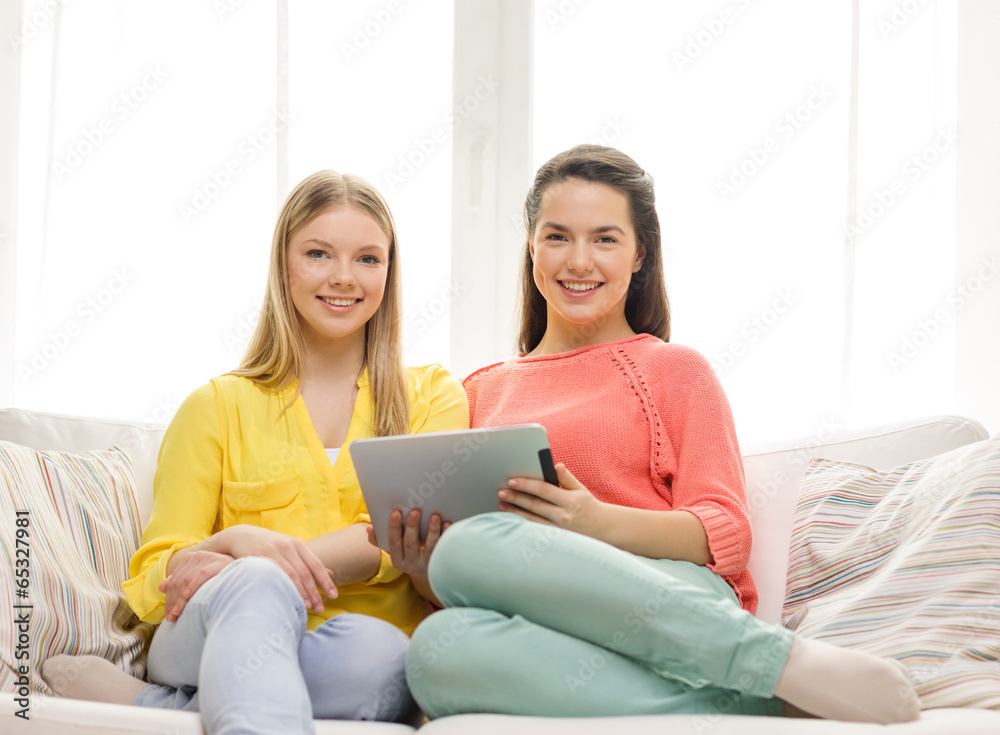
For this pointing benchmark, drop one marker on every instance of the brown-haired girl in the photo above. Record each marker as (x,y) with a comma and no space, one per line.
(624,589)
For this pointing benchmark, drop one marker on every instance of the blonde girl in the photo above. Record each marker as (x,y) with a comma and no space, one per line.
(274,607)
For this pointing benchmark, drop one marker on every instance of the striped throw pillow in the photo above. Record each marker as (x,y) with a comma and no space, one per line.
(74,518)
(906,564)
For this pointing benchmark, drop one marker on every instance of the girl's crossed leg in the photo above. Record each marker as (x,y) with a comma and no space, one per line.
(549,609)
(240,655)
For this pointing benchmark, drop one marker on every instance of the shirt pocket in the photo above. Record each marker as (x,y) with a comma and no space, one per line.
(274,504)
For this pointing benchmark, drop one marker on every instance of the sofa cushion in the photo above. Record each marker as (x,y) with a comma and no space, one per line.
(50,431)
(938,722)
(903,564)
(57,716)
(774,474)
(73,519)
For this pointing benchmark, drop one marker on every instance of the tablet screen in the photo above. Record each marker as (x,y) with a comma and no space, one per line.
(455,474)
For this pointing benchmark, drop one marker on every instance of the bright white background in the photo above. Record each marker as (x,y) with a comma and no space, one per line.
(741,110)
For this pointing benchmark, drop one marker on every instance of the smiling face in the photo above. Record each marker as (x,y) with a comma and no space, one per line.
(584,252)
(337,267)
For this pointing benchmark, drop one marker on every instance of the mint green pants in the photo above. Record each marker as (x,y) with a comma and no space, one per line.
(541,621)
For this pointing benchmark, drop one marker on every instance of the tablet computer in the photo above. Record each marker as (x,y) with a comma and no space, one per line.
(455,474)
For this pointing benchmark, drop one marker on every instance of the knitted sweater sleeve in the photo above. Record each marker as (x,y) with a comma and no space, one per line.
(699,456)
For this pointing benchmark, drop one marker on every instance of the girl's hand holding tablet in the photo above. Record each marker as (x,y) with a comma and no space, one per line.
(568,505)
(409,553)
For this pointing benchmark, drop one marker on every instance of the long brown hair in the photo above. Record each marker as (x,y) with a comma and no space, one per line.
(647,308)
(273,358)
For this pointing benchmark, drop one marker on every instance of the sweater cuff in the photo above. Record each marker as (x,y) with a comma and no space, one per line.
(724,542)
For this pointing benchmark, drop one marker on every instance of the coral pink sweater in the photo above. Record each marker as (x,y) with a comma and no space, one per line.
(641,423)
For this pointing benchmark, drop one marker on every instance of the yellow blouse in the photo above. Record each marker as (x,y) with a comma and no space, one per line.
(230,456)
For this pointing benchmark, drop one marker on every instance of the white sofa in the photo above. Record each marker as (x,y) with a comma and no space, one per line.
(774,474)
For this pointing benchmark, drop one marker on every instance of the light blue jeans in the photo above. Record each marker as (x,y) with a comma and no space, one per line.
(241,655)
(541,621)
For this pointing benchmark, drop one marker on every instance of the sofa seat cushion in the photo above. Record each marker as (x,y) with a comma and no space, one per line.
(935,722)
(56,716)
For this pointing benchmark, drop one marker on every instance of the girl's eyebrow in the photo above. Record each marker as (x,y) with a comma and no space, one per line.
(607,228)
(321,241)
(595,231)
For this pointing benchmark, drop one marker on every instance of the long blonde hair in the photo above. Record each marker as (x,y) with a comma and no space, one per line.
(273,359)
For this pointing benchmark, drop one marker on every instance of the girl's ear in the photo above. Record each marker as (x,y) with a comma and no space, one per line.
(640,257)
(531,250)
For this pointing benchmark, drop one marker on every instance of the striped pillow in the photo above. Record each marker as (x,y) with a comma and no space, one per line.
(80,531)
(906,564)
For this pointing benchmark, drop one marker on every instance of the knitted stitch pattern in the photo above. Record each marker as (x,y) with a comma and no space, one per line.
(640,423)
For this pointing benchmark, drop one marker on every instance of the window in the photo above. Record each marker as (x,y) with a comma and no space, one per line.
(157,145)
(829,240)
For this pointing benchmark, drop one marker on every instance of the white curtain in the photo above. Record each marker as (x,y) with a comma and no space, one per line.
(758,136)
(808,212)
(157,142)
(904,349)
